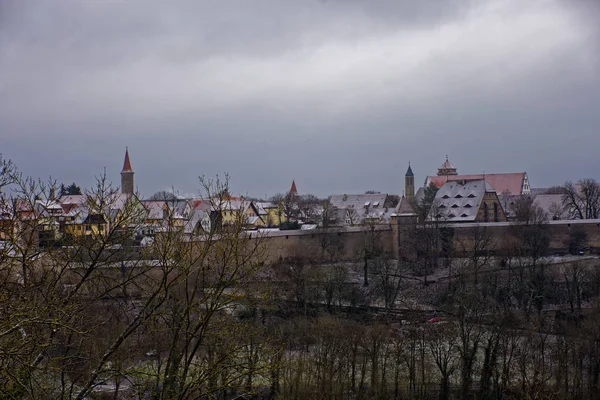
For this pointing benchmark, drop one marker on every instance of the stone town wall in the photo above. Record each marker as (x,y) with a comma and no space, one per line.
(503,234)
(336,244)
(349,243)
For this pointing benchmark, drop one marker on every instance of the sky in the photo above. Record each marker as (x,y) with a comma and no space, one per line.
(338,95)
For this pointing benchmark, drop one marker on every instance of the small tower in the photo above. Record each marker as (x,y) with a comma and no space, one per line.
(127,175)
(409,184)
(447,168)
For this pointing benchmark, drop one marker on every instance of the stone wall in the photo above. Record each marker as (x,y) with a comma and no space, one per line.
(336,244)
(349,243)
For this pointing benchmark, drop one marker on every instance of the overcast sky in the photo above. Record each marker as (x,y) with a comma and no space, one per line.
(337,94)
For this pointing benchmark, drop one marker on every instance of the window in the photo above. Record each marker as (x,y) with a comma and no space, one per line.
(454,205)
(451,216)
(458,196)
(442,206)
(486,214)
(445,196)
(468,205)
(495,212)
(471,196)
(464,215)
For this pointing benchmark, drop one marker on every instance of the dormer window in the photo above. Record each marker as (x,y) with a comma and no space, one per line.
(442,206)
(451,216)
(464,215)
(471,196)
(454,205)
(445,196)
(458,196)
(468,205)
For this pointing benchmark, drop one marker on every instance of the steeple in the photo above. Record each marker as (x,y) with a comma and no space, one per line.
(409,184)
(127,163)
(409,171)
(127,175)
(293,189)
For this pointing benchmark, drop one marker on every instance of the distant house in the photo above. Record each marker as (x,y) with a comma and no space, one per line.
(467,201)
(164,213)
(232,210)
(358,209)
(271,213)
(200,217)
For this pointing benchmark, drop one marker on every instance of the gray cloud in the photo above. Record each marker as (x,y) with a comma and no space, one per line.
(338,95)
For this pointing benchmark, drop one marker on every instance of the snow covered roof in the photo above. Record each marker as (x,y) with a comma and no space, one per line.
(459,201)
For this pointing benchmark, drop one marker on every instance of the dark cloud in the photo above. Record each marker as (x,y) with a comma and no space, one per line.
(337,94)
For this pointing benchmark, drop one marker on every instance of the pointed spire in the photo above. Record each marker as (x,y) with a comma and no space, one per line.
(409,171)
(293,189)
(127,163)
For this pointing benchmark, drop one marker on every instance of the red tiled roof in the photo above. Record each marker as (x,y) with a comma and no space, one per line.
(127,163)
(511,183)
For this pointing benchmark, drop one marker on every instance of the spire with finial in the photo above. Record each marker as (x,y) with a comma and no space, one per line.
(127,163)
(409,171)
(127,175)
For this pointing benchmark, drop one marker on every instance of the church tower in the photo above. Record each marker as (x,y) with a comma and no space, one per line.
(409,184)
(127,175)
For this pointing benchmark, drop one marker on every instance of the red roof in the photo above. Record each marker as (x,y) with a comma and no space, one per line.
(511,183)
(293,189)
(127,163)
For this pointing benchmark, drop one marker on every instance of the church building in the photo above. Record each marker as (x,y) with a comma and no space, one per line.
(512,184)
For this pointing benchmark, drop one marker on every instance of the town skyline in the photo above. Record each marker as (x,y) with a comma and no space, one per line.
(420,182)
(339,96)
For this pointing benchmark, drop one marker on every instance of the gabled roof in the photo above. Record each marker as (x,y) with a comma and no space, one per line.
(458,202)
(75,199)
(361,206)
(357,201)
(510,183)
(155,209)
(404,207)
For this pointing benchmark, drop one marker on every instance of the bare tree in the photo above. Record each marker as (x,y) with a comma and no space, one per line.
(478,249)
(309,207)
(442,345)
(289,204)
(388,280)
(582,199)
